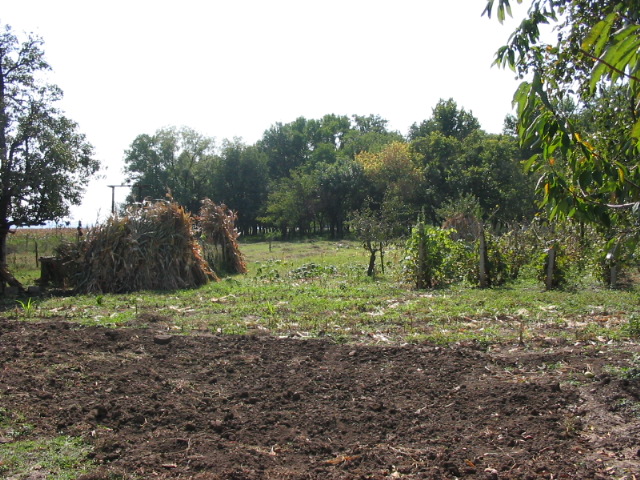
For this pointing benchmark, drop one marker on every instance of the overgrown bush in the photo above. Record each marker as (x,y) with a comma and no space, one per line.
(500,268)
(575,249)
(517,247)
(433,258)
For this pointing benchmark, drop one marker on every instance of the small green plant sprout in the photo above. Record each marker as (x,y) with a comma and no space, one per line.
(268,271)
(632,328)
(28,307)
(521,329)
(100,300)
(271,313)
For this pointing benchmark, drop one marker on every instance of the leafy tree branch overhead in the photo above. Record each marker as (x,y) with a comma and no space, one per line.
(588,170)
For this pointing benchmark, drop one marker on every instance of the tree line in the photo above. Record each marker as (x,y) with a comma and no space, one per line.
(577,131)
(313,175)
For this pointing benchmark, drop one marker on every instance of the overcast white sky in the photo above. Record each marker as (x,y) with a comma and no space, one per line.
(233,68)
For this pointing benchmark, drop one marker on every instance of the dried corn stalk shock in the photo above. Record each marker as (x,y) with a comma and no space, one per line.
(219,235)
(152,247)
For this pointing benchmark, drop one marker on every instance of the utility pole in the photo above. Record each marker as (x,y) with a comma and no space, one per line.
(113,196)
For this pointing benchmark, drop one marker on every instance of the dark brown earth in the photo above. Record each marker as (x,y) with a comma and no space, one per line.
(253,407)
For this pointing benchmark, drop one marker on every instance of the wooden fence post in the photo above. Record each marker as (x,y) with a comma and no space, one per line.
(551,266)
(483,273)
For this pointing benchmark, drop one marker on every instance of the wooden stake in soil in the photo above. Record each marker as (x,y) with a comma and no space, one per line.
(551,266)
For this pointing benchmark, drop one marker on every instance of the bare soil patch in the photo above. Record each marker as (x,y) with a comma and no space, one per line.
(258,407)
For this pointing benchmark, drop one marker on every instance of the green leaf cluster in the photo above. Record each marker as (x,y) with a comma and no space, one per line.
(432,257)
(585,157)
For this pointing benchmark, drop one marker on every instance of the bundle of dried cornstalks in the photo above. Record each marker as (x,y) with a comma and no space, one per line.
(150,248)
(220,237)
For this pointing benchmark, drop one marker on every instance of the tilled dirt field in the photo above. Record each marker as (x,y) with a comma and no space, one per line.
(254,407)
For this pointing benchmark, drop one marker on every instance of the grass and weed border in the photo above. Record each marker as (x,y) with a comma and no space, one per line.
(314,288)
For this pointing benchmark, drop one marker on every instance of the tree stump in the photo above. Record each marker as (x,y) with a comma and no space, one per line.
(51,272)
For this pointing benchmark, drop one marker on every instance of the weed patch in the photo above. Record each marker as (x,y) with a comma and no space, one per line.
(321,288)
(59,458)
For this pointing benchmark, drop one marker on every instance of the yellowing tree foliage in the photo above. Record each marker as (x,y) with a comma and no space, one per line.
(391,170)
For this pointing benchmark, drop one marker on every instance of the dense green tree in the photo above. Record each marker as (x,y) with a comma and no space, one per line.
(368,134)
(510,125)
(287,147)
(330,130)
(447,119)
(596,47)
(172,161)
(490,169)
(238,179)
(341,188)
(434,155)
(603,117)
(436,145)
(319,153)
(307,143)
(45,163)
(484,165)
(293,203)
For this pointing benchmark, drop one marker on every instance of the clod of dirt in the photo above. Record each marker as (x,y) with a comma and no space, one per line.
(490,474)
(162,339)
(111,334)
(97,413)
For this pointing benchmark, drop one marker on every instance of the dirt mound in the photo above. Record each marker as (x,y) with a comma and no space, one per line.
(223,407)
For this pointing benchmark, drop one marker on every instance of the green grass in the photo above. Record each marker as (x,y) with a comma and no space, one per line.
(319,288)
(13,425)
(58,458)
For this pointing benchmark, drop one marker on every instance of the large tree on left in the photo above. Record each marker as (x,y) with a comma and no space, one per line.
(45,162)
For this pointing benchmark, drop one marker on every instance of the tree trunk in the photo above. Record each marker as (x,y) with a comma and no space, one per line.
(4,233)
(7,278)
(372,262)
(5,274)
